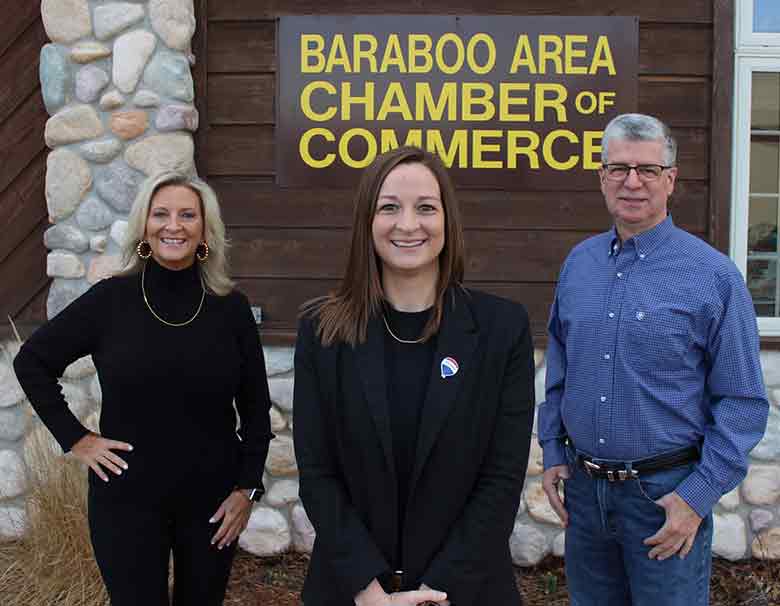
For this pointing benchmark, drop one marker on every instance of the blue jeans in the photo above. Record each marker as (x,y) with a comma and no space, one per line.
(606,560)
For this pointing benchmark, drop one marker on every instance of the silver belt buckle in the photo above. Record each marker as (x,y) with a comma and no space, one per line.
(590,467)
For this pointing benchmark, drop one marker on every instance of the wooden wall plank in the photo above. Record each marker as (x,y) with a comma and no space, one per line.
(16,20)
(691,11)
(247,46)
(19,69)
(23,206)
(675,50)
(252,203)
(493,255)
(25,271)
(679,102)
(21,139)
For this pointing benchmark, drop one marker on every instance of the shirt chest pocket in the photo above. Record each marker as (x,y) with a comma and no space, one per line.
(657,339)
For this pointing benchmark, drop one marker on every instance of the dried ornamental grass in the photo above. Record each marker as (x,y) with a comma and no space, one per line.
(53,565)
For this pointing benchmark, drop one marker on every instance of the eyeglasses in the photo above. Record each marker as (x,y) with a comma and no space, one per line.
(645,172)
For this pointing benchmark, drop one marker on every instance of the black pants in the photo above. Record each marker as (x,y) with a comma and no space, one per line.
(133,543)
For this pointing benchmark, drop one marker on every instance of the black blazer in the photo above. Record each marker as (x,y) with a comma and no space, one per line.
(472,453)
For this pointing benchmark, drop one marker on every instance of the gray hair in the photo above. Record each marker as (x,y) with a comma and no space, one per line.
(640,127)
(214,270)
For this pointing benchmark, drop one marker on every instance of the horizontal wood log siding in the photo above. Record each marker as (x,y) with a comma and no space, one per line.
(290,245)
(23,214)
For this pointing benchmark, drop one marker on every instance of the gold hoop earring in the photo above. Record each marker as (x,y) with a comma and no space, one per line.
(202,251)
(144,250)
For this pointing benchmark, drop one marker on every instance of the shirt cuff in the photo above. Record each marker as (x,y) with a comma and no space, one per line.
(698,493)
(553,453)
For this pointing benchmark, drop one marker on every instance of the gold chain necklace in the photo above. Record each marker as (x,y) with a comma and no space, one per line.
(174,324)
(392,334)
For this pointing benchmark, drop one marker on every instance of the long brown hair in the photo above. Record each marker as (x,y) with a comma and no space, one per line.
(344,314)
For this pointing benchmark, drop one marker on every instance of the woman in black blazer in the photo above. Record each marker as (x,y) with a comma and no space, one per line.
(413,408)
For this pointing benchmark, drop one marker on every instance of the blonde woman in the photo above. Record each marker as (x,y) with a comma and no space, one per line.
(174,345)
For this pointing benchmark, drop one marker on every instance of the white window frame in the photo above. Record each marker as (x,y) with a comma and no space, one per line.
(746,37)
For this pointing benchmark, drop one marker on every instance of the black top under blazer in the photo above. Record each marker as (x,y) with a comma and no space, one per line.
(470,465)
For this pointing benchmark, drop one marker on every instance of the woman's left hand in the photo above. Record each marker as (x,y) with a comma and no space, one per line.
(234,513)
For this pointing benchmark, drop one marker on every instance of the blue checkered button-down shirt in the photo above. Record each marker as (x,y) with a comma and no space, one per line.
(653,346)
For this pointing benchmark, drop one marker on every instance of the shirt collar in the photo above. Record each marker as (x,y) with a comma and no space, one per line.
(647,241)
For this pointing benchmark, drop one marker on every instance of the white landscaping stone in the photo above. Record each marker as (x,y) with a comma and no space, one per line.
(111,100)
(729,539)
(766,546)
(730,501)
(95,392)
(67,237)
(85,52)
(768,449)
(66,21)
(146,98)
(267,533)
(760,519)
(71,125)
(10,391)
(169,74)
(79,402)
(98,243)
(762,485)
(281,389)
(174,22)
(13,478)
(277,420)
(102,267)
(281,457)
(94,215)
(162,153)
(176,117)
(303,531)
(90,80)
(54,74)
(527,545)
(80,369)
(102,150)
(770,364)
(67,180)
(539,386)
(61,264)
(538,359)
(118,184)
(62,293)
(559,545)
(119,232)
(278,359)
(282,492)
(13,523)
(14,422)
(110,19)
(535,461)
(131,53)
(539,507)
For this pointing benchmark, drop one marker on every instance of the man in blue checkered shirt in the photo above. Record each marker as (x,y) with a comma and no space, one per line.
(654,393)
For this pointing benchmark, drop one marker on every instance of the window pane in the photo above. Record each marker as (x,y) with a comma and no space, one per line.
(766,16)
(764,162)
(762,283)
(762,221)
(765,104)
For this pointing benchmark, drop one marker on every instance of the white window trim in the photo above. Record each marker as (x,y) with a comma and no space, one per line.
(745,66)
(747,39)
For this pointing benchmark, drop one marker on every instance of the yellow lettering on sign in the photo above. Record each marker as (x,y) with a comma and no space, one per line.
(480,147)
(312,46)
(506,101)
(550,49)
(306,107)
(388,139)
(460,52)
(348,100)
(420,45)
(344,153)
(514,149)
(424,103)
(572,53)
(547,151)
(523,57)
(483,100)
(338,56)
(591,149)
(360,53)
(393,55)
(303,147)
(395,103)
(602,57)
(459,144)
(555,103)
(471,53)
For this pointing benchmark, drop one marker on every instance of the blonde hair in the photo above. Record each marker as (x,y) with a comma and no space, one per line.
(214,270)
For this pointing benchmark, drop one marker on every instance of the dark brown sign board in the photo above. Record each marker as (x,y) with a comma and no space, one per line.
(509,102)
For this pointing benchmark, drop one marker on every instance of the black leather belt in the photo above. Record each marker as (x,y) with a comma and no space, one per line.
(619,471)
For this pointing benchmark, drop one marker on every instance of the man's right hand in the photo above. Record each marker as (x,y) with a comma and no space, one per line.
(552,477)
(374,595)
(96,452)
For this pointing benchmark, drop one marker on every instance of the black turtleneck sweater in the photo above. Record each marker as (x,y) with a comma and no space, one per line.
(168,391)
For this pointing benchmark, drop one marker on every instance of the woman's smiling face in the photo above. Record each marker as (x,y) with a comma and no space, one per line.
(174,227)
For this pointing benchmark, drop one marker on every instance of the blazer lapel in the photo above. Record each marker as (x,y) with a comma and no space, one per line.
(371,365)
(457,340)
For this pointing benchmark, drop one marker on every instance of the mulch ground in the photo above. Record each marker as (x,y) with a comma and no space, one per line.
(277,581)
